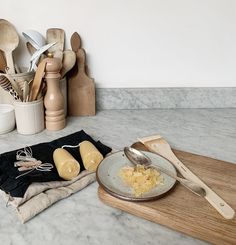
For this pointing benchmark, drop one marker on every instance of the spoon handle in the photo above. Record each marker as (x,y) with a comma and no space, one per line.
(10,62)
(195,188)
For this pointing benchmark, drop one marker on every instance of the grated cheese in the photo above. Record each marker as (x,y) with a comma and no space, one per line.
(140,179)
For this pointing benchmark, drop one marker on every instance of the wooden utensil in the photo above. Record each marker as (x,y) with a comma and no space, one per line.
(158,145)
(75,41)
(68,62)
(7,86)
(31,49)
(25,91)
(14,84)
(56,35)
(81,90)
(3,64)
(185,212)
(9,40)
(37,82)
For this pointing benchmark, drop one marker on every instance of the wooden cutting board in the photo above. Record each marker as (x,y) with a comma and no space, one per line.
(81,88)
(185,212)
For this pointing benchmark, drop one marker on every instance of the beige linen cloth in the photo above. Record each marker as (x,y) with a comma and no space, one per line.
(40,196)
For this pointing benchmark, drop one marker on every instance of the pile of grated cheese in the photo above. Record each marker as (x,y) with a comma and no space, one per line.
(140,179)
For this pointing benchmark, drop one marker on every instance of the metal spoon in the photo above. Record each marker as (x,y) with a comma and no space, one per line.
(137,157)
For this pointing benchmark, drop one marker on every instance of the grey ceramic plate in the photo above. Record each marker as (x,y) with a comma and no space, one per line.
(108,178)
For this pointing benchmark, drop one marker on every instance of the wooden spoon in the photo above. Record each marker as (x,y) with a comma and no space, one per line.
(31,49)
(25,91)
(3,64)
(68,62)
(75,41)
(9,40)
(56,35)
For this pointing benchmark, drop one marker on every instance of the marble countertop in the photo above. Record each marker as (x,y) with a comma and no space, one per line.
(82,218)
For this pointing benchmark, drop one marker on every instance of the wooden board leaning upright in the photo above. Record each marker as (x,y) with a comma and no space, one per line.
(81,88)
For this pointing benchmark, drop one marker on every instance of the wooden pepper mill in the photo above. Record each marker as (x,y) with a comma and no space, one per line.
(53,100)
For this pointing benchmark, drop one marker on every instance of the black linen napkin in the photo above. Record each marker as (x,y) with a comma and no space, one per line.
(43,152)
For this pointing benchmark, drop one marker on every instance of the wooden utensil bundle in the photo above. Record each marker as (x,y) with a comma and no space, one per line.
(57,36)
(81,94)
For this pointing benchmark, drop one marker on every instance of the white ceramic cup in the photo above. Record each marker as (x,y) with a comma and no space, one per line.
(7,118)
(29,116)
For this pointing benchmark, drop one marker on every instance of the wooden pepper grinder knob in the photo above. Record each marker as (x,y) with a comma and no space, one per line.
(53,100)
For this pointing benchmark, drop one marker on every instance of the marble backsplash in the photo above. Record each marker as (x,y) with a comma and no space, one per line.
(158,98)
(154,98)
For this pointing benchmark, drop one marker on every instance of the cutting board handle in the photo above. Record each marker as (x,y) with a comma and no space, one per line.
(81,57)
(216,201)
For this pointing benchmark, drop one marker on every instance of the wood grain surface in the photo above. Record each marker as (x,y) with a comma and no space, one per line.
(3,63)
(81,88)
(185,212)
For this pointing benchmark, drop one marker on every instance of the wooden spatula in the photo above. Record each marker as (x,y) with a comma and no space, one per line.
(56,35)
(37,82)
(158,145)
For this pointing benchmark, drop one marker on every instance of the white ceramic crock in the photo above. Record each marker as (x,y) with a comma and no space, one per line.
(7,118)
(29,116)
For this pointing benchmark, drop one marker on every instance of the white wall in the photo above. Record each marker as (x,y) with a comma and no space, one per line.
(141,43)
